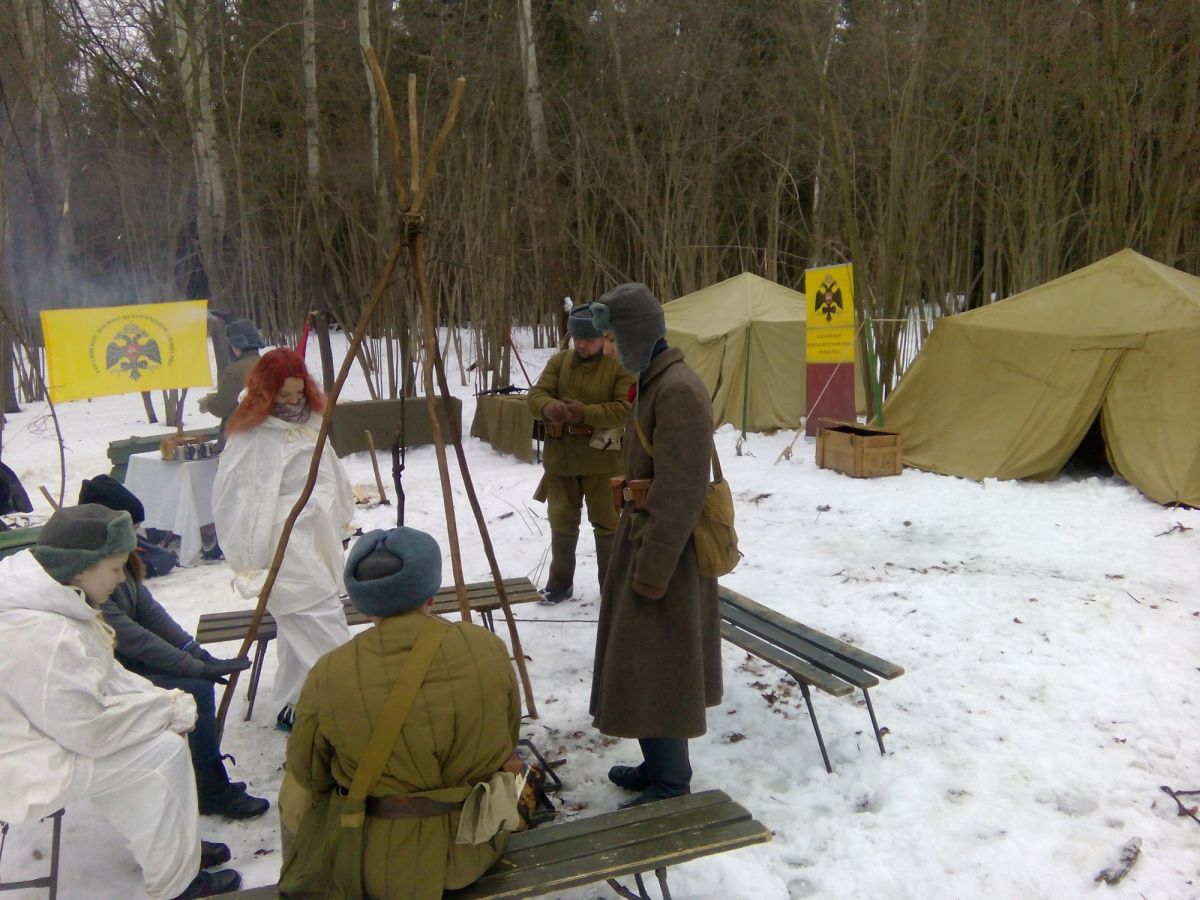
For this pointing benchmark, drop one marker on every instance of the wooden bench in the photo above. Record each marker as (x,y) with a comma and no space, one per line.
(646,838)
(810,657)
(120,451)
(217,628)
(17,539)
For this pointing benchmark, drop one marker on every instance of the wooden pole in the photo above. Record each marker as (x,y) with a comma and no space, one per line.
(383,497)
(413,223)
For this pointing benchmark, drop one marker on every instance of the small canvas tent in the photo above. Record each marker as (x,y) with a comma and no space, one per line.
(1009,390)
(745,338)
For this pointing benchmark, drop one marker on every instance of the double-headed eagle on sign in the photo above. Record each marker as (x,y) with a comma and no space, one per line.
(829,298)
(132,350)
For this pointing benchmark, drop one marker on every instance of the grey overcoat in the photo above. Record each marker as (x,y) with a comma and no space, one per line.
(658,662)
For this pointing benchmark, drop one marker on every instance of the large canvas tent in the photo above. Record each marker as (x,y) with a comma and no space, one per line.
(745,338)
(1010,390)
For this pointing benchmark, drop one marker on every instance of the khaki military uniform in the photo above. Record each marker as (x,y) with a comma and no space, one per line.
(583,457)
(459,731)
(224,400)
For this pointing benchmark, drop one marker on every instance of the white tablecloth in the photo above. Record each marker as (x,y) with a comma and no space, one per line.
(177,497)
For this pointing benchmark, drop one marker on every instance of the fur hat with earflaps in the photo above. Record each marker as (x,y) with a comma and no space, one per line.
(580,324)
(243,335)
(392,572)
(77,537)
(635,317)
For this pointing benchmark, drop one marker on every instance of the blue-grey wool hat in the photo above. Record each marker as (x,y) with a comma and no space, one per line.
(394,571)
(580,324)
(635,317)
(75,538)
(243,335)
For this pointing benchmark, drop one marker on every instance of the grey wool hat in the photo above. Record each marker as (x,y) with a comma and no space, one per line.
(243,335)
(394,571)
(77,537)
(580,324)
(635,317)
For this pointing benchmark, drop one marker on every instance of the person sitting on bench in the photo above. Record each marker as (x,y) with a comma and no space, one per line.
(152,644)
(75,725)
(461,729)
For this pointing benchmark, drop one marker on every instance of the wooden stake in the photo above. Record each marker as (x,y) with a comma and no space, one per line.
(383,497)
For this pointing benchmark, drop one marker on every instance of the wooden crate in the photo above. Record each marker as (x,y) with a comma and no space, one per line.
(862,451)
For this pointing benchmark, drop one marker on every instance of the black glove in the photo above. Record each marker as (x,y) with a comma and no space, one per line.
(217,669)
(197,652)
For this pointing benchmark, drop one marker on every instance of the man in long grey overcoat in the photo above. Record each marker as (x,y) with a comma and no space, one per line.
(658,644)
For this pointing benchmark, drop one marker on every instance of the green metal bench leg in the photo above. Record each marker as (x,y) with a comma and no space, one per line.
(812,715)
(874,723)
(486,615)
(661,875)
(260,655)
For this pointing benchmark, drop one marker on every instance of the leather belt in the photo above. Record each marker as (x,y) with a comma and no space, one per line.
(406,807)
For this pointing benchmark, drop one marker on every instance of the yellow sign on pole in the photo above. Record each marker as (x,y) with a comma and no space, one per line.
(99,351)
(830,319)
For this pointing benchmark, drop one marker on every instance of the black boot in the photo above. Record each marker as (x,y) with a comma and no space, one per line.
(217,797)
(604,544)
(209,884)
(631,778)
(560,581)
(668,767)
(213,854)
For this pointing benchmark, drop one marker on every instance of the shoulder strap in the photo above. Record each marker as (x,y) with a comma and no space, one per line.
(391,719)
(648,447)
(716,462)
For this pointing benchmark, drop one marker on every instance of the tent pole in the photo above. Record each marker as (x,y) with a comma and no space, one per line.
(876,399)
(746,385)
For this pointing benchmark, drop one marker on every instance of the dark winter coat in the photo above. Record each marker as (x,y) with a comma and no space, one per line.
(658,662)
(149,641)
(224,400)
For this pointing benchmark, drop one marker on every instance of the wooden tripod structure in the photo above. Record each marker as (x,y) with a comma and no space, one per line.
(411,198)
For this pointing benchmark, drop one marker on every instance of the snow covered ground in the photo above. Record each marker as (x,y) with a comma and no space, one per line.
(1049,633)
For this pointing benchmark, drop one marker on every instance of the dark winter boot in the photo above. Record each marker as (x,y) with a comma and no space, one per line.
(669,769)
(560,582)
(217,797)
(604,545)
(630,778)
(213,854)
(209,884)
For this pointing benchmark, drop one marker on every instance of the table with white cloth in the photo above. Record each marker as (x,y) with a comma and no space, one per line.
(177,496)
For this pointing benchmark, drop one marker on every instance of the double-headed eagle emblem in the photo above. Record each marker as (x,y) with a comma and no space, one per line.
(132,350)
(829,299)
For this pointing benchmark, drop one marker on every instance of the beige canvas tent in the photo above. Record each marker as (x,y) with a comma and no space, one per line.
(745,338)
(1010,390)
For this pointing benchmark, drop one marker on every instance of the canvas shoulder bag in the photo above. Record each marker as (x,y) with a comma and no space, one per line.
(714,536)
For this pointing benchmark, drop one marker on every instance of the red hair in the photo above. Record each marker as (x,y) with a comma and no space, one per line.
(265,381)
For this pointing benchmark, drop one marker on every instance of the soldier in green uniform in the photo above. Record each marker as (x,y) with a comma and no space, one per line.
(245,341)
(583,397)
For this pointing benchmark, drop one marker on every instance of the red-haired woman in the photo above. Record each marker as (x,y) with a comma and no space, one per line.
(270,440)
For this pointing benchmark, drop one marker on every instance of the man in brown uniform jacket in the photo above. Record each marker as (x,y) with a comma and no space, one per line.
(245,342)
(658,643)
(584,399)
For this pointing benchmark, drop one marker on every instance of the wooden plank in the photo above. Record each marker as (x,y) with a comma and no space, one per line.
(216,628)
(668,850)
(17,539)
(875,664)
(605,835)
(806,650)
(797,668)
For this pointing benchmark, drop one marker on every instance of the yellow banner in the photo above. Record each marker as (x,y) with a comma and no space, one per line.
(830,319)
(99,351)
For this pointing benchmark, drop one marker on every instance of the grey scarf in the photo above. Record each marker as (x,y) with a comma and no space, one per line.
(295,413)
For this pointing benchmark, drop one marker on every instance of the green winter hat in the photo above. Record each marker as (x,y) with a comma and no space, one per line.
(77,537)
(391,572)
